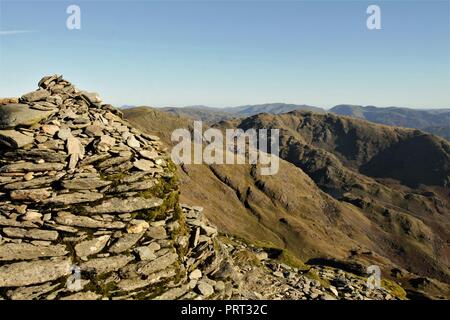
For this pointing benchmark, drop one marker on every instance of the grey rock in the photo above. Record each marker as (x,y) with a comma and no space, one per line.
(50,129)
(125,242)
(74,146)
(107,140)
(33,183)
(134,284)
(13,223)
(73,198)
(173,293)
(88,295)
(131,204)
(14,139)
(109,163)
(30,194)
(157,232)
(37,95)
(147,252)
(13,115)
(32,167)
(195,275)
(93,159)
(66,218)
(136,186)
(133,177)
(219,286)
(92,97)
(105,265)
(143,164)
(137,226)
(94,130)
(35,234)
(46,155)
(205,288)
(133,143)
(33,272)
(149,154)
(26,251)
(64,134)
(90,247)
(85,183)
(31,293)
(158,264)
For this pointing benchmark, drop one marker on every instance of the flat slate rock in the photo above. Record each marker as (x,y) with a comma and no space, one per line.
(90,247)
(31,293)
(33,272)
(125,242)
(135,186)
(158,264)
(105,265)
(85,183)
(137,283)
(131,204)
(68,219)
(13,115)
(34,195)
(37,95)
(35,182)
(46,155)
(27,251)
(73,198)
(32,167)
(14,139)
(13,223)
(88,295)
(35,234)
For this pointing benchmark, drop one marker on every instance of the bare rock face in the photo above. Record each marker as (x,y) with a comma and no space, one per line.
(89,210)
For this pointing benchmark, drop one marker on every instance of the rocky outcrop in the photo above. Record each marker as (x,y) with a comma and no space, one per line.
(89,210)
(88,200)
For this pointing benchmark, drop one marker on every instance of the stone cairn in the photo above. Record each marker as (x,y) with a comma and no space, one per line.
(89,206)
(89,210)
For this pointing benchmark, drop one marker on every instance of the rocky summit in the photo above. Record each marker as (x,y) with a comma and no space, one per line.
(89,210)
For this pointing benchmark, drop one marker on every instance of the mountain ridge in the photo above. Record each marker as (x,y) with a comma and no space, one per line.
(396,225)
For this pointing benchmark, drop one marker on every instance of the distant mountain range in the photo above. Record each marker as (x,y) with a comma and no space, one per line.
(210,114)
(435,121)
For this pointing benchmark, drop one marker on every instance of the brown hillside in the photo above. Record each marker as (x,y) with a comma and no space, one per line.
(368,220)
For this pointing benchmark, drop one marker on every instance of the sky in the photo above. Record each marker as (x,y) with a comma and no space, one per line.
(230,53)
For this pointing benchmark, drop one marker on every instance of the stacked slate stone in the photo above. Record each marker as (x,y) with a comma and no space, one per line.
(89,207)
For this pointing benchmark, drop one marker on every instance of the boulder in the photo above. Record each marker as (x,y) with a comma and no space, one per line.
(37,95)
(13,115)
(14,139)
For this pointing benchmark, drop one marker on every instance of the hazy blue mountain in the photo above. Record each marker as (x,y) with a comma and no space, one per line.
(436,121)
(218,114)
(274,108)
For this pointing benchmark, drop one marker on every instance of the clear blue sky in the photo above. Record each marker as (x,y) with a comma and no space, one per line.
(222,53)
